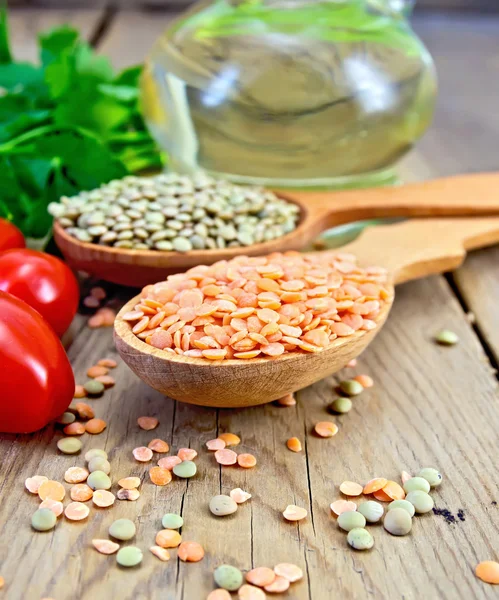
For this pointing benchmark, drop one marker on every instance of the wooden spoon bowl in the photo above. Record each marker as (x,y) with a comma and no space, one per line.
(408,250)
(454,196)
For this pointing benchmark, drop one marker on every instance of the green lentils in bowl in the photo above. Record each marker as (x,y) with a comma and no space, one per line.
(172,212)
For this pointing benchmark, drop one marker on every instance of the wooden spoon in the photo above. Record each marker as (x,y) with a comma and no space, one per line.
(409,250)
(464,195)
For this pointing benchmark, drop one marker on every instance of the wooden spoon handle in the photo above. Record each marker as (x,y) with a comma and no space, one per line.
(419,247)
(463,195)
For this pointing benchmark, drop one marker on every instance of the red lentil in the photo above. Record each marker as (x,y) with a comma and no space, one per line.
(294,444)
(74,429)
(158,446)
(85,411)
(279,585)
(76,511)
(289,571)
(142,454)
(260,576)
(54,505)
(187,454)
(364,380)
(76,475)
(326,429)
(95,426)
(110,363)
(226,457)
(216,444)
(250,592)
(230,439)
(33,484)
(160,476)
(168,462)
(350,488)
(247,461)
(294,513)
(125,494)
(105,546)
(374,485)
(129,483)
(239,496)
(161,553)
(97,371)
(190,552)
(341,506)
(106,380)
(51,489)
(80,392)
(167,538)
(308,299)
(81,492)
(488,571)
(288,400)
(147,423)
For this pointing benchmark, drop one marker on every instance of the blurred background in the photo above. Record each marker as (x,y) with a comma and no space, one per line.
(467,5)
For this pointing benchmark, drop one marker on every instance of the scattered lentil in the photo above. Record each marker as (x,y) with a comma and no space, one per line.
(228,577)
(54,505)
(352,364)
(351,520)
(488,571)
(360,539)
(381,496)
(147,423)
(51,489)
(374,485)
(341,405)
(416,483)
(350,488)
(289,571)
(103,498)
(81,492)
(99,463)
(97,371)
(80,392)
(130,556)
(294,513)
(226,457)
(168,462)
(172,521)
(32,484)
(403,504)
(287,400)
(158,446)
(341,506)
(142,454)
(98,480)
(247,461)
(85,411)
(129,483)
(160,476)
(74,429)
(95,426)
(187,454)
(190,552)
(106,380)
(219,594)
(397,521)
(421,501)
(393,490)
(185,469)
(66,418)
(351,387)
(239,496)
(326,429)
(372,511)
(128,495)
(76,475)
(161,553)
(93,387)
(230,439)
(216,444)
(95,452)
(364,380)
(168,538)
(260,576)
(76,511)
(432,476)
(110,363)
(250,592)
(122,529)
(294,444)
(105,546)
(404,476)
(222,505)
(446,338)
(278,586)
(43,519)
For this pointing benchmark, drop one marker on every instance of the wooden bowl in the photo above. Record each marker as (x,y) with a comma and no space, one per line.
(234,383)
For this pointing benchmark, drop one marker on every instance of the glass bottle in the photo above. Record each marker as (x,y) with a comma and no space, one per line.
(294,93)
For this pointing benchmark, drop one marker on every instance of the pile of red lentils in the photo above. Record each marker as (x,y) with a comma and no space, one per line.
(261,306)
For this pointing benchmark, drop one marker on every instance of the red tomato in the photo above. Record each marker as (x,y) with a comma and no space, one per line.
(42,281)
(36,378)
(10,236)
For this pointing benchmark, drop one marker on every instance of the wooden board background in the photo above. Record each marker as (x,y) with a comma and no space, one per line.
(430,406)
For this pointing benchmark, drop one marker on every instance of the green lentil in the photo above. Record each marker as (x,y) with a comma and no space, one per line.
(416,483)
(372,511)
(228,577)
(95,452)
(446,338)
(66,418)
(432,476)
(122,529)
(421,501)
(98,480)
(99,463)
(43,519)
(351,520)
(201,211)
(185,469)
(93,387)
(172,521)
(360,539)
(130,556)
(341,405)
(222,505)
(397,521)
(351,387)
(69,445)
(404,504)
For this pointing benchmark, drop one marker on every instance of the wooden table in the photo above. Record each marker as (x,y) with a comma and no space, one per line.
(430,406)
